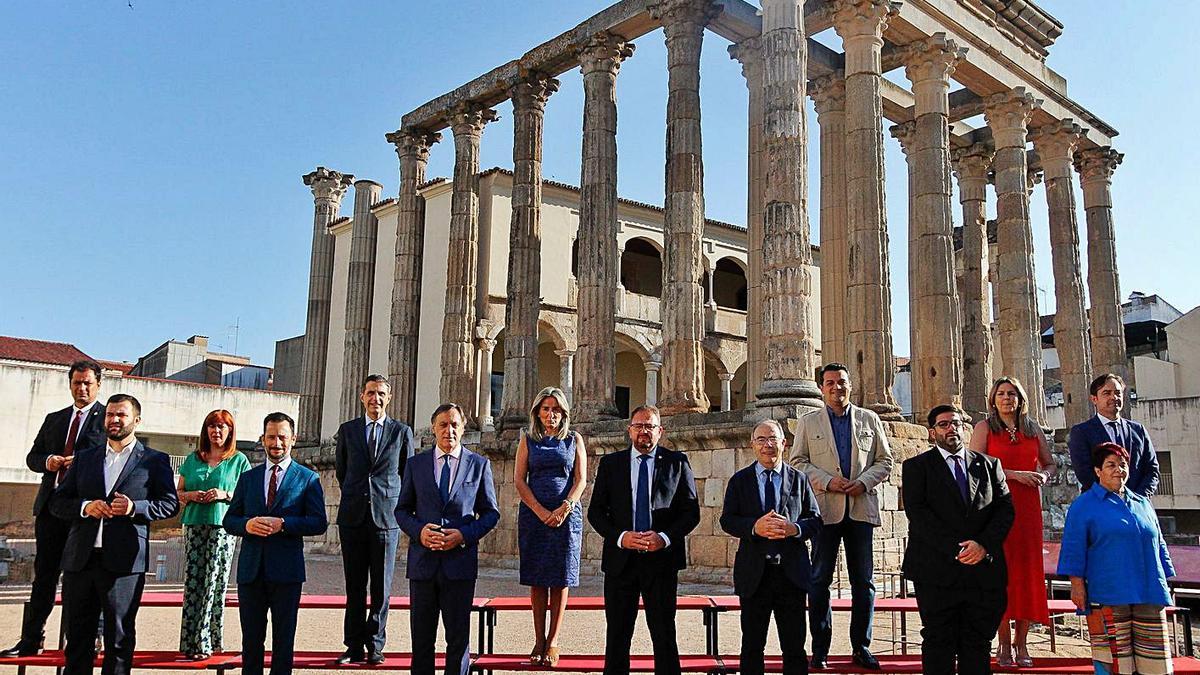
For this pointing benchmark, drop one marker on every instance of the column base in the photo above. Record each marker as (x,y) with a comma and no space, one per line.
(788,392)
(694,402)
(888,412)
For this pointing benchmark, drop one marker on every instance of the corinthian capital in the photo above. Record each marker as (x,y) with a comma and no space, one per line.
(748,52)
(973,162)
(328,185)
(859,18)
(933,58)
(684,16)
(1055,143)
(906,133)
(829,92)
(532,92)
(1097,163)
(413,142)
(1007,113)
(470,118)
(604,51)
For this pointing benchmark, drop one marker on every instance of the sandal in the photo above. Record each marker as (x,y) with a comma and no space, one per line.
(536,656)
(550,658)
(1004,659)
(1024,661)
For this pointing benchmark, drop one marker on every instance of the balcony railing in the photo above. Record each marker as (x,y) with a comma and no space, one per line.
(1166,486)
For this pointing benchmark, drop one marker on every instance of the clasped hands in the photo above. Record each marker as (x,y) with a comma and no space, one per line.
(119,506)
(438,538)
(208,496)
(647,542)
(556,517)
(853,488)
(971,552)
(56,463)
(774,526)
(264,526)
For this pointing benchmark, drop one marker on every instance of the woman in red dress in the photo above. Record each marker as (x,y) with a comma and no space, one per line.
(1010,435)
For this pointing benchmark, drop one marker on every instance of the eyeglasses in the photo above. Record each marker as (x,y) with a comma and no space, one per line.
(643,427)
(951,424)
(767,440)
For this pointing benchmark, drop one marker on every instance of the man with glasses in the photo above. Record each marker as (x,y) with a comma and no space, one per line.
(644,505)
(959,512)
(771,509)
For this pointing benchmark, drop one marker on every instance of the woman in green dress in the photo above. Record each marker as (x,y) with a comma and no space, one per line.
(206,482)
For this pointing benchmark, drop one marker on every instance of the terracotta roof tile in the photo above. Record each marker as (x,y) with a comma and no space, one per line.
(39,351)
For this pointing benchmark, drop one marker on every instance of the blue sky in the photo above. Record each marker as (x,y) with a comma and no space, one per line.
(152,155)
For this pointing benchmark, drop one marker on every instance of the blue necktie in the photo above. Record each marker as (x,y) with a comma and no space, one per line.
(960,478)
(444,481)
(768,506)
(641,501)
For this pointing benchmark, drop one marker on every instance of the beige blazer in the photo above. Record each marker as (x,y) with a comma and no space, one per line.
(815,453)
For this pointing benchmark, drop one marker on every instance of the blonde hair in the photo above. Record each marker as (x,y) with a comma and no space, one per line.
(536,431)
(1025,424)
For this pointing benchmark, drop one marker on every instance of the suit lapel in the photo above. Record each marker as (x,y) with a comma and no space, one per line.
(942,469)
(289,479)
(624,489)
(831,443)
(258,497)
(785,483)
(386,437)
(135,456)
(975,468)
(464,465)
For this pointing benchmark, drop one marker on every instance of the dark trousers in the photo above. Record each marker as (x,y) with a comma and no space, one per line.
(255,599)
(451,599)
(368,558)
(860,566)
(656,587)
(778,595)
(50,533)
(89,594)
(958,623)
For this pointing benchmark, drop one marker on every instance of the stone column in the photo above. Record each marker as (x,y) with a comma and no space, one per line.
(682,313)
(860,23)
(566,366)
(726,391)
(1055,143)
(1096,167)
(829,95)
(524,297)
(749,53)
(652,368)
(462,253)
(412,147)
(1008,113)
(599,263)
(971,166)
(328,188)
(935,328)
(485,348)
(360,296)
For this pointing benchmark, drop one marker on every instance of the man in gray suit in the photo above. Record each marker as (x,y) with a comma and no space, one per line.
(844,452)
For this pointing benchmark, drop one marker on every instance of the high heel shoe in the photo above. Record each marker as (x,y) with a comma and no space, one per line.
(536,656)
(1004,659)
(1024,660)
(550,658)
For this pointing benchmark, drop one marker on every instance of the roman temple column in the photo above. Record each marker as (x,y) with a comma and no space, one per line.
(829,97)
(360,295)
(1096,167)
(748,52)
(971,166)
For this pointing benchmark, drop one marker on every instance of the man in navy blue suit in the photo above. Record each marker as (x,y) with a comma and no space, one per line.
(1108,395)
(447,504)
(275,505)
(772,509)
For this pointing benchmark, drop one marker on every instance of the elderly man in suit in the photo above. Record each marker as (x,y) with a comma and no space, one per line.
(644,505)
(845,454)
(369,462)
(1108,395)
(111,495)
(771,508)
(78,426)
(275,505)
(959,512)
(447,504)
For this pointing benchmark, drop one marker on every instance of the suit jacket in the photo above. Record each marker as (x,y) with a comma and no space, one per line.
(471,510)
(674,509)
(146,479)
(371,485)
(815,453)
(938,520)
(743,507)
(52,440)
(299,500)
(1143,462)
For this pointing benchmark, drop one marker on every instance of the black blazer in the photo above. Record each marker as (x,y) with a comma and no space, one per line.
(147,480)
(743,506)
(52,440)
(674,509)
(371,485)
(938,520)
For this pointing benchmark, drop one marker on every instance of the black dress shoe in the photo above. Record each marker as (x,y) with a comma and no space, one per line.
(866,659)
(352,655)
(22,648)
(375,658)
(818,662)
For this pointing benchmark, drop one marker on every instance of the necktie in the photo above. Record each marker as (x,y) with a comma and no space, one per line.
(273,487)
(69,448)
(641,501)
(1116,433)
(768,506)
(444,479)
(961,478)
(372,438)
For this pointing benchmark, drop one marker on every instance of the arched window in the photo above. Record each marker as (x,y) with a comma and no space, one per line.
(729,284)
(641,268)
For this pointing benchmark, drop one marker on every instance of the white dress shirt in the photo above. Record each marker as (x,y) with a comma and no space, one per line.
(114,464)
(283,467)
(1114,428)
(949,459)
(440,458)
(86,410)
(378,431)
(635,466)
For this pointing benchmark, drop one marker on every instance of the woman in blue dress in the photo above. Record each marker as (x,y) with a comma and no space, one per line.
(551,474)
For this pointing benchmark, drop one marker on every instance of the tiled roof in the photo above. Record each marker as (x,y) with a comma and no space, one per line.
(122,366)
(39,351)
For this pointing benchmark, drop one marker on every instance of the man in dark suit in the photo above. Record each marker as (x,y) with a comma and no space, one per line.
(959,512)
(1108,395)
(371,453)
(447,504)
(771,508)
(275,505)
(111,495)
(75,427)
(644,505)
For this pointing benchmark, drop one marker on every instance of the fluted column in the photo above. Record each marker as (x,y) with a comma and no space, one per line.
(682,313)
(1055,143)
(462,253)
(749,53)
(935,330)
(360,296)
(599,262)
(1008,114)
(328,188)
(971,166)
(524,251)
(829,96)
(860,24)
(412,148)
(1096,167)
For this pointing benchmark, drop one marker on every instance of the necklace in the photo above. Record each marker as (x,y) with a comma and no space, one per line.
(1012,434)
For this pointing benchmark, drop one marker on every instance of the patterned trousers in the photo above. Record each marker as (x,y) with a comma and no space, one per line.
(1130,639)
(209,550)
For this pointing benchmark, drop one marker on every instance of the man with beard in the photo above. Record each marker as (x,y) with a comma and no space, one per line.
(959,512)
(275,505)
(1107,426)
(111,495)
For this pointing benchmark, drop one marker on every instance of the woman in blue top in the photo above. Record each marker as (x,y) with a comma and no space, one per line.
(1118,563)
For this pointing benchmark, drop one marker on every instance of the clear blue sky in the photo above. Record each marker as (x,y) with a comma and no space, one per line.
(152,155)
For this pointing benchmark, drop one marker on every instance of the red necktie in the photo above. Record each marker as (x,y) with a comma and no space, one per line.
(273,487)
(69,448)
